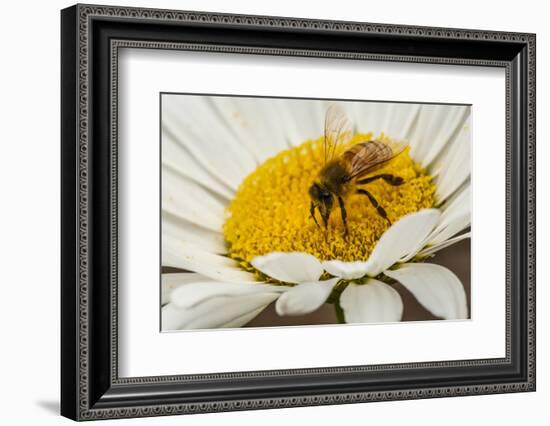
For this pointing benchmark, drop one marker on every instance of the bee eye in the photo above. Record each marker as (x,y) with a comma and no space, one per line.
(319,193)
(314,191)
(326,196)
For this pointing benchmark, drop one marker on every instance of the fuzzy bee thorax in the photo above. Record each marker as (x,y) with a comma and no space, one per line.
(334,176)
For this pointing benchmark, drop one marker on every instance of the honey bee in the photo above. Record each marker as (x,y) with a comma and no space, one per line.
(341,174)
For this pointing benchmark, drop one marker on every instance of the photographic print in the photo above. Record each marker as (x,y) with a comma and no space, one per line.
(288,212)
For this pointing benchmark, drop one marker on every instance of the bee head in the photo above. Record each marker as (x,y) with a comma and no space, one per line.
(319,194)
(322,199)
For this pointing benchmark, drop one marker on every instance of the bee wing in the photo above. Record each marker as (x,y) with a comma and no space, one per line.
(364,157)
(338,130)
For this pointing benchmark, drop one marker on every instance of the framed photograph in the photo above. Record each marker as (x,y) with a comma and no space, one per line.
(263,212)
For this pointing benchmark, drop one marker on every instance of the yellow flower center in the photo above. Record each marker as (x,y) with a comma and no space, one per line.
(270,211)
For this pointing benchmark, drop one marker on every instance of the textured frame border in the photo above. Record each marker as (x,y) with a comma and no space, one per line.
(86,13)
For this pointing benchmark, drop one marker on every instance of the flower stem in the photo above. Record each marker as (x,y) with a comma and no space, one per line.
(339,313)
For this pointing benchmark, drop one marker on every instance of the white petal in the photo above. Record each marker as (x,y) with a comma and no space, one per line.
(371,302)
(233,312)
(171,281)
(305,297)
(256,123)
(431,249)
(460,197)
(436,126)
(402,240)
(458,224)
(177,157)
(179,254)
(171,317)
(393,119)
(435,287)
(193,293)
(454,166)
(219,312)
(305,120)
(181,229)
(346,270)
(188,200)
(289,267)
(194,123)
(246,317)
(455,218)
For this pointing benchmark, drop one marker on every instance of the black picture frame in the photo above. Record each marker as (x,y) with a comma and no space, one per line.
(90,38)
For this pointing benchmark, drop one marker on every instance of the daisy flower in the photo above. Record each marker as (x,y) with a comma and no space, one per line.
(236,220)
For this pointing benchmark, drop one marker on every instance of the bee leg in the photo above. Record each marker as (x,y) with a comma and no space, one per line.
(312,212)
(325,221)
(344,215)
(391,179)
(375,203)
